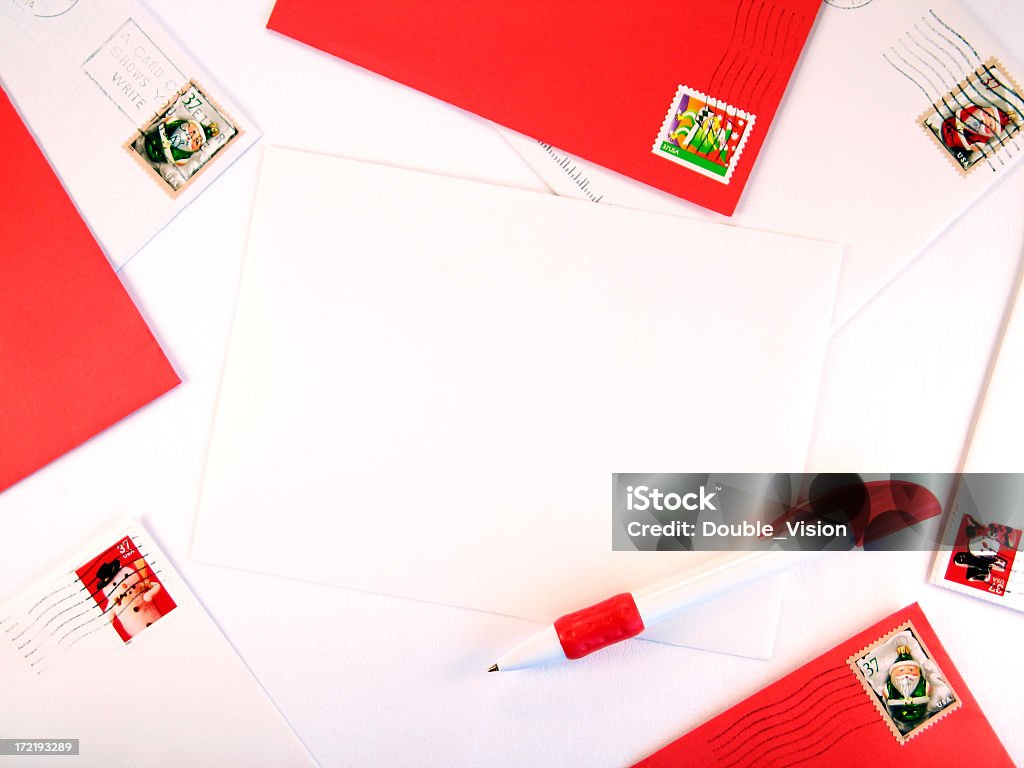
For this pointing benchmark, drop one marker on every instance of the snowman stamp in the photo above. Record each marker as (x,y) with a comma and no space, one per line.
(182,138)
(979,118)
(126,588)
(704,134)
(983,556)
(905,683)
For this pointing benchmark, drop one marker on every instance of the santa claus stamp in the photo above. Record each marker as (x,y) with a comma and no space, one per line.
(979,118)
(703,134)
(983,556)
(905,683)
(126,588)
(183,138)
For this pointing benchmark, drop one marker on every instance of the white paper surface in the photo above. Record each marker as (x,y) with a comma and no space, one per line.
(175,695)
(425,384)
(847,158)
(87,76)
(995,447)
(996,442)
(343,691)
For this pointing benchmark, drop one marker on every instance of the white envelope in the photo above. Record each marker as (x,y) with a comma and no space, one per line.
(995,447)
(848,158)
(91,78)
(174,694)
(996,441)
(431,381)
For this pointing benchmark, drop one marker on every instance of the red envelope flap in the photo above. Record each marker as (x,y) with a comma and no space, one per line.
(75,355)
(598,79)
(827,712)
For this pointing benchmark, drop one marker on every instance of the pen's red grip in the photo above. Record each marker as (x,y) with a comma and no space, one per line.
(604,623)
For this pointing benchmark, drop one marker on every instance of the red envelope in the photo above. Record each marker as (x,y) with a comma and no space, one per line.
(860,704)
(678,96)
(75,355)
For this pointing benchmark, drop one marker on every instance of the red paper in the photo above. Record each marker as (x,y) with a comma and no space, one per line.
(596,78)
(826,713)
(75,355)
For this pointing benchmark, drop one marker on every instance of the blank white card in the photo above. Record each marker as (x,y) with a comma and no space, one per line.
(431,381)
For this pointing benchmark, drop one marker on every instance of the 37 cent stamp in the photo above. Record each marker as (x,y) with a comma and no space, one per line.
(905,683)
(979,117)
(183,138)
(126,588)
(704,134)
(983,556)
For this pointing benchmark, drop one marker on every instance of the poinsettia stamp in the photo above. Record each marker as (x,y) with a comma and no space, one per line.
(183,137)
(980,117)
(905,683)
(704,134)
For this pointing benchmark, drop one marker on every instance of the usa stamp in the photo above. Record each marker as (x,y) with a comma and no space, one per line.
(703,134)
(905,683)
(978,118)
(983,556)
(183,138)
(126,588)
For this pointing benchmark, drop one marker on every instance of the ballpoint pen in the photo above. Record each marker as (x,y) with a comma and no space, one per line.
(626,615)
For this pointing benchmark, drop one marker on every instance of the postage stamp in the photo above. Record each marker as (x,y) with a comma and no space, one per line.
(905,683)
(983,556)
(972,122)
(126,588)
(183,138)
(703,134)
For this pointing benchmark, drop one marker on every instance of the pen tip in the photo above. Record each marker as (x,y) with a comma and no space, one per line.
(493,668)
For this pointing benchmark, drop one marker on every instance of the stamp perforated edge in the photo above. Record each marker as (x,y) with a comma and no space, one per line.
(670,116)
(991,61)
(943,557)
(852,663)
(151,171)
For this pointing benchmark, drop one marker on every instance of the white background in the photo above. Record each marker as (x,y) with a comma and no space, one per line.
(372,680)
